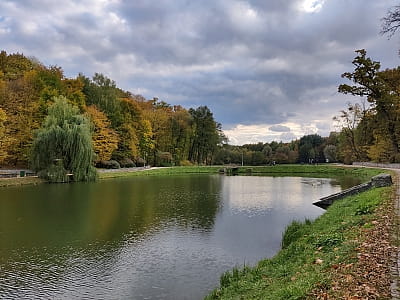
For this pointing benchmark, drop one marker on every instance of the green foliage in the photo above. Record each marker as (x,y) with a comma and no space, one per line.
(126,163)
(371,132)
(292,233)
(109,164)
(310,148)
(206,136)
(63,145)
(328,240)
(330,153)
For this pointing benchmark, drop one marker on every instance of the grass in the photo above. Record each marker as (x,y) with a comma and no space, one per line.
(310,251)
(162,171)
(278,170)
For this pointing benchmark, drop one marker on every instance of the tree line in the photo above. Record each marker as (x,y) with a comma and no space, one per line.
(58,125)
(40,108)
(310,148)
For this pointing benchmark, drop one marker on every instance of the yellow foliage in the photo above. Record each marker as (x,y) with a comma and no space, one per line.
(5,140)
(105,139)
(381,150)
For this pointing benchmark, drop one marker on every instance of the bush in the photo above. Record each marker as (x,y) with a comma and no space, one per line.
(127,163)
(185,163)
(140,162)
(108,164)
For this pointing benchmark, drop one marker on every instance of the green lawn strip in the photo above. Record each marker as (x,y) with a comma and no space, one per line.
(278,170)
(310,250)
(162,171)
(311,169)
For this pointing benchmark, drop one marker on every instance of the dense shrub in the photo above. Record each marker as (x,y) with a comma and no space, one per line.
(140,162)
(108,164)
(127,163)
(185,163)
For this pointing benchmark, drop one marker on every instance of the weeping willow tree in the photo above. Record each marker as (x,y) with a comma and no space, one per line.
(63,145)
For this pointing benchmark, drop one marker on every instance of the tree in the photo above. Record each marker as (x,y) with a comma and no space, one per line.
(267,151)
(391,22)
(382,91)
(310,147)
(205,137)
(5,140)
(146,142)
(330,153)
(19,98)
(105,139)
(348,122)
(63,145)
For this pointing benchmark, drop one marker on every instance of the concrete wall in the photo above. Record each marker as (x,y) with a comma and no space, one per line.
(376,181)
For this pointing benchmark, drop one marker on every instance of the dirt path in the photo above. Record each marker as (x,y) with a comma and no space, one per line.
(395,270)
(396,259)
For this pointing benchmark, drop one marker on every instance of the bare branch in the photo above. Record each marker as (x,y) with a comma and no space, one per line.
(391,22)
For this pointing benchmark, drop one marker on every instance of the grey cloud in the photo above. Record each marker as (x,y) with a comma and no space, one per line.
(287,137)
(279,128)
(276,69)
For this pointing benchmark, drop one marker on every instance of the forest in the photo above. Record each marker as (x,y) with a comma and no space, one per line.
(125,129)
(45,117)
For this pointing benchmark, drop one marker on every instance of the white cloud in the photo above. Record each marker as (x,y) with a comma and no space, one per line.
(250,134)
(312,6)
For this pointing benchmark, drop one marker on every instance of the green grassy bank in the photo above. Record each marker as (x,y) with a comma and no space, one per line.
(311,252)
(278,170)
(161,171)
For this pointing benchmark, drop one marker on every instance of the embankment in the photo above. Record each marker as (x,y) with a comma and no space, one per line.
(344,253)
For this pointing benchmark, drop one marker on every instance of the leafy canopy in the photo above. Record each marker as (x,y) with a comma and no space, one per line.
(63,145)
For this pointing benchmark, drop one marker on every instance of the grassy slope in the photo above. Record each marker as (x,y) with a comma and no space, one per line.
(284,170)
(311,250)
(161,171)
(303,170)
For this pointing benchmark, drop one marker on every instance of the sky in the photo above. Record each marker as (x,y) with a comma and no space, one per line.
(267,69)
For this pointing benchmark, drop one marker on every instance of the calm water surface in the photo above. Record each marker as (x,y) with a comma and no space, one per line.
(147,237)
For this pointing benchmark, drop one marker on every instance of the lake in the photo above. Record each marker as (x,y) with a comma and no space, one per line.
(149,237)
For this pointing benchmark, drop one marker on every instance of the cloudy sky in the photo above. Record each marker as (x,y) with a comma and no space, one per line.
(267,69)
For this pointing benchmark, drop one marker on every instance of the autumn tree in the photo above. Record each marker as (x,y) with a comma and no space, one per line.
(146,142)
(5,140)
(20,100)
(63,145)
(105,139)
(381,89)
(347,122)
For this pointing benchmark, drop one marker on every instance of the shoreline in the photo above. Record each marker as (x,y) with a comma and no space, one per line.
(321,170)
(346,253)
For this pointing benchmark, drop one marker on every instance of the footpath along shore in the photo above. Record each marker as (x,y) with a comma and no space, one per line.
(395,287)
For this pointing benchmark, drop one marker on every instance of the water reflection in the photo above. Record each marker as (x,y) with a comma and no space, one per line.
(144,238)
